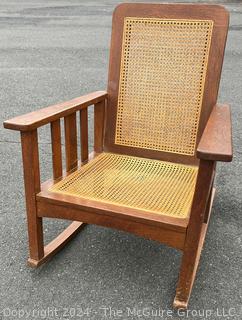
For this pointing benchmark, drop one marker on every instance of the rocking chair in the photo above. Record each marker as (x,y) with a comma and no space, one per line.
(158,133)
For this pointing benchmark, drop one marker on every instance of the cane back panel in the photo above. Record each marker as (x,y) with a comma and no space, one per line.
(162,76)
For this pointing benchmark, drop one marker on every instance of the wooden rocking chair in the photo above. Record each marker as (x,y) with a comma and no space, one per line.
(158,133)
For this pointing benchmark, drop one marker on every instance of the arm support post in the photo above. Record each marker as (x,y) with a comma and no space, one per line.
(99,113)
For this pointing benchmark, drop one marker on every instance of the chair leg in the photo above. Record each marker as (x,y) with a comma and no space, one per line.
(55,245)
(35,233)
(187,275)
(190,261)
(30,155)
(38,254)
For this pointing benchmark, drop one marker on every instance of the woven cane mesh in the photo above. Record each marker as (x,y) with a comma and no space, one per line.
(162,76)
(156,186)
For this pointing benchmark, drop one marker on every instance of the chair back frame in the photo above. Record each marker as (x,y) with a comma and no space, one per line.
(220,19)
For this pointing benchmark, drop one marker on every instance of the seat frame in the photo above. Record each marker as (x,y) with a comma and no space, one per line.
(214,144)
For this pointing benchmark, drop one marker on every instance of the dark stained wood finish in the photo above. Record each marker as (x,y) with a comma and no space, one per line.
(41,117)
(170,237)
(30,154)
(57,244)
(84,134)
(99,113)
(216,141)
(56,149)
(71,141)
(192,247)
(167,11)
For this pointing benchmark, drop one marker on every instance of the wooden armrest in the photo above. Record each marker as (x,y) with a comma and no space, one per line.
(216,141)
(41,117)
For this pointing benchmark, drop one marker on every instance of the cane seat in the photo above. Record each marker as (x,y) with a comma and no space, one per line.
(151,185)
